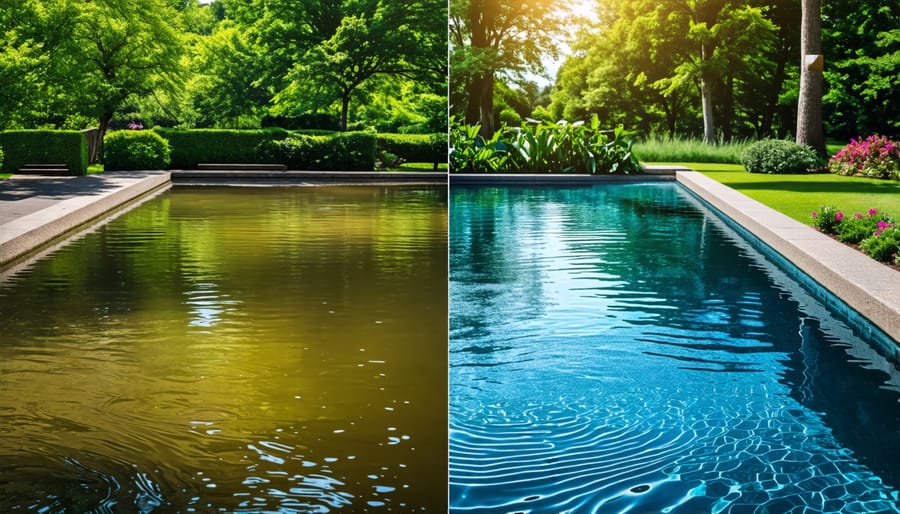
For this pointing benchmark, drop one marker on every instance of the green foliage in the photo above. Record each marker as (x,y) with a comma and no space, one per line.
(1,157)
(135,150)
(876,233)
(779,156)
(655,149)
(876,156)
(861,39)
(642,66)
(542,147)
(853,229)
(415,147)
(345,151)
(318,121)
(884,245)
(471,152)
(23,147)
(827,219)
(192,147)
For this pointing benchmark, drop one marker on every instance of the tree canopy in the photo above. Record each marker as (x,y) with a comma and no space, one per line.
(716,69)
(228,63)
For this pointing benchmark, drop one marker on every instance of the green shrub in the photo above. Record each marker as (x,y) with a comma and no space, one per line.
(472,152)
(190,147)
(135,150)
(854,229)
(876,156)
(1,157)
(21,147)
(306,121)
(543,147)
(827,219)
(779,156)
(431,148)
(296,152)
(883,245)
(343,151)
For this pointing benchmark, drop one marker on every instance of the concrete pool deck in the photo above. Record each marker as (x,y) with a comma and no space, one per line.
(36,211)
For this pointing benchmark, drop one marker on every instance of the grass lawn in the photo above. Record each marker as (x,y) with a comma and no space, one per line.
(799,195)
(421,166)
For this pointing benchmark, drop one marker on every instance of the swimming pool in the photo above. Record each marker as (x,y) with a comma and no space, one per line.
(618,348)
(233,350)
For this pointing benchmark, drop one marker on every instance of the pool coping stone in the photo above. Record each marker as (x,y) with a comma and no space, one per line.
(300,178)
(37,211)
(864,284)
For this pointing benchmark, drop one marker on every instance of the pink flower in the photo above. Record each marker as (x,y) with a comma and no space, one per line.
(857,215)
(882,225)
(838,216)
(873,211)
(815,214)
(877,233)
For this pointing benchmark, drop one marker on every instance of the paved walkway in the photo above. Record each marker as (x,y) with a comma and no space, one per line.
(37,210)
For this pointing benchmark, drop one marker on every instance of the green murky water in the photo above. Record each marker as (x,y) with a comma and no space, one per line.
(233,350)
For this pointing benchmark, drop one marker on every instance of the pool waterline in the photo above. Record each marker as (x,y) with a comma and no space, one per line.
(532,434)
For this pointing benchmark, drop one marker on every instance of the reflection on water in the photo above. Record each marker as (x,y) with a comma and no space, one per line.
(620,349)
(274,350)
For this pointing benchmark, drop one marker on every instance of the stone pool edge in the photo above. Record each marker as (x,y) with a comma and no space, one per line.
(869,287)
(27,235)
(306,178)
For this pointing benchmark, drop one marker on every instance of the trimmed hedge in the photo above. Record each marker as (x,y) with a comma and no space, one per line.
(135,150)
(345,151)
(69,147)
(779,156)
(430,148)
(190,147)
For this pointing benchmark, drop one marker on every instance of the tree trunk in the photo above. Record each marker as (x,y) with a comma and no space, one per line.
(709,127)
(473,101)
(345,108)
(486,104)
(101,133)
(810,130)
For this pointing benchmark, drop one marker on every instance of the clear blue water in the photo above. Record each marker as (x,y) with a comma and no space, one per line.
(620,349)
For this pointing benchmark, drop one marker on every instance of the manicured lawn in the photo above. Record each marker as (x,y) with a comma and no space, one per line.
(799,195)
(420,166)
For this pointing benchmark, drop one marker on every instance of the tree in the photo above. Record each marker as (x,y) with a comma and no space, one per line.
(810,130)
(224,88)
(861,39)
(123,49)
(326,51)
(643,63)
(498,36)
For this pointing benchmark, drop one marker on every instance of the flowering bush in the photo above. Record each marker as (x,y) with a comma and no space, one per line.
(854,229)
(827,219)
(876,156)
(883,245)
(877,234)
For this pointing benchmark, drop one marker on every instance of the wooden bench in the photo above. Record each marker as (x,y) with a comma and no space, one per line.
(242,167)
(45,170)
